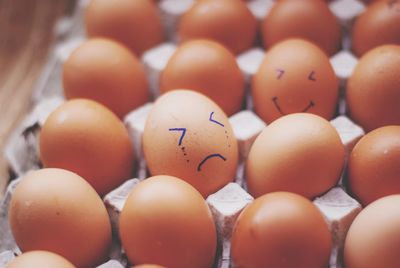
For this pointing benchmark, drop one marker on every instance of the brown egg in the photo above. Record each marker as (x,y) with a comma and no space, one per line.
(374,236)
(166,221)
(85,137)
(56,210)
(209,68)
(188,136)
(42,259)
(295,76)
(374,165)
(378,25)
(373,90)
(281,230)
(311,20)
(107,72)
(135,23)
(229,22)
(300,153)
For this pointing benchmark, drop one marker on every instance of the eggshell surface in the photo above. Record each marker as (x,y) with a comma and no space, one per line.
(281,230)
(378,25)
(107,72)
(311,20)
(209,68)
(373,91)
(188,136)
(166,221)
(295,76)
(42,259)
(374,236)
(135,23)
(300,153)
(229,22)
(85,137)
(58,211)
(374,165)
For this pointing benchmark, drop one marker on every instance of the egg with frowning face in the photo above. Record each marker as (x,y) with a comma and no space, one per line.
(188,136)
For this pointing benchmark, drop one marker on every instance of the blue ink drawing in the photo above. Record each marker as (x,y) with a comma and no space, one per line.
(208,157)
(214,121)
(182,135)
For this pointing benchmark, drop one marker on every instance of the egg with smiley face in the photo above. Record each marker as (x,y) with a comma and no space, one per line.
(295,76)
(188,136)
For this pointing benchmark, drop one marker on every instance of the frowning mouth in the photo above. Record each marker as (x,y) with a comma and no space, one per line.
(275,101)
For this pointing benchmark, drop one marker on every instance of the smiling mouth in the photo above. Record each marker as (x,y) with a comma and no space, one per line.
(275,101)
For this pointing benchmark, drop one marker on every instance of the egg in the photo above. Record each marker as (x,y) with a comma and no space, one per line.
(135,23)
(378,25)
(42,259)
(300,153)
(311,20)
(229,22)
(281,230)
(166,221)
(374,236)
(209,68)
(85,137)
(58,211)
(107,72)
(295,76)
(374,165)
(373,90)
(188,136)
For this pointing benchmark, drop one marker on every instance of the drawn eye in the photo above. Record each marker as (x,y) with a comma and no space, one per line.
(211,119)
(279,73)
(311,76)
(183,132)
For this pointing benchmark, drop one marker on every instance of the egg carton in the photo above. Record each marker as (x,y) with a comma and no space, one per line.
(21,151)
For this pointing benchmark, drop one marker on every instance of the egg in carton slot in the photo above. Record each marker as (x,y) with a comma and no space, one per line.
(337,207)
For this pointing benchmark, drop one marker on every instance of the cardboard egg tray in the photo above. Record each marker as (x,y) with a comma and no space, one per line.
(21,152)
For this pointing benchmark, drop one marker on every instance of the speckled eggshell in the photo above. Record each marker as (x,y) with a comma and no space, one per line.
(42,259)
(378,25)
(188,136)
(209,68)
(107,72)
(135,23)
(295,76)
(374,236)
(166,221)
(58,211)
(373,90)
(229,22)
(374,165)
(300,153)
(281,230)
(85,137)
(311,20)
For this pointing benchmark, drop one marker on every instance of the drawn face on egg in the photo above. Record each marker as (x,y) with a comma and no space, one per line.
(188,136)
(295,77)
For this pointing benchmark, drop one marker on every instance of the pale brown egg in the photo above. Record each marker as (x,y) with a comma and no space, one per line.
(58,211)
(85,137)
(311,20)
(188,136)
(279,230)
(229,22)
(209,68)
(378,25)
(295,76)
(107,72)
(166,221)
(374,165)
(374,236)
(42,259)
(135,23)
(300,153)
(373,90)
